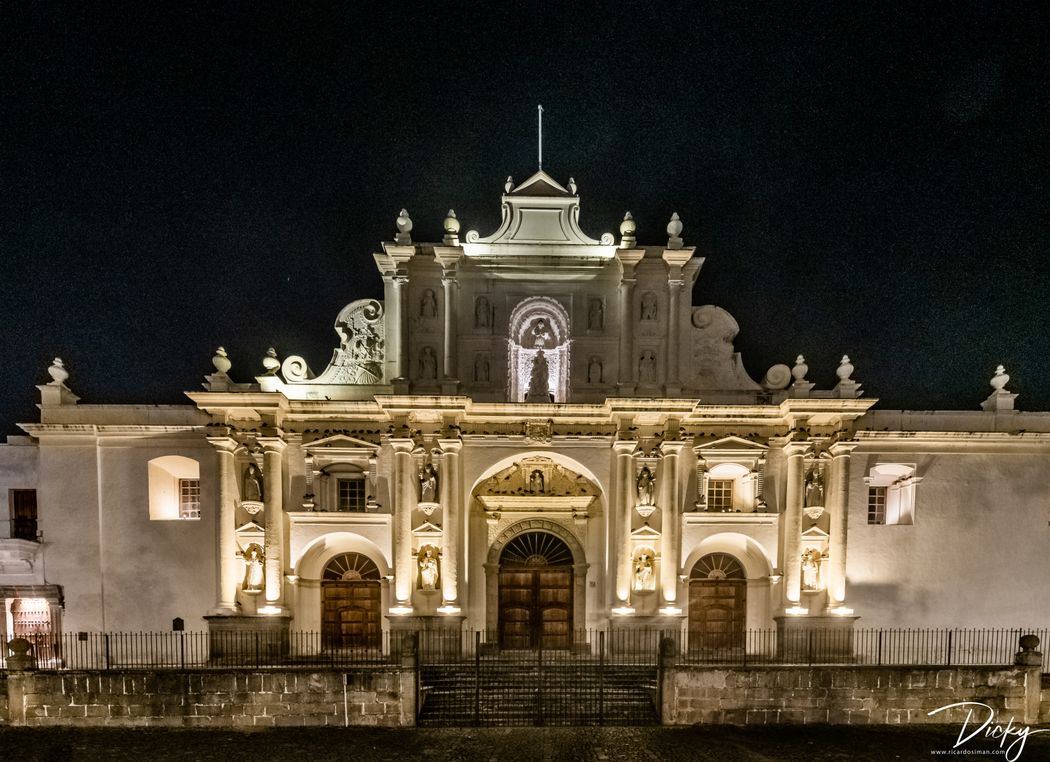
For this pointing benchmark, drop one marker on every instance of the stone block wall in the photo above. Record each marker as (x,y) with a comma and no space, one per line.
(3,701)
(213,699)
(837,695)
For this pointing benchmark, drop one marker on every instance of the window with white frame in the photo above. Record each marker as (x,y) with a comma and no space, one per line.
(891,493)
(174,488)
(729,488)
(720,495)
(189,498)
(350,495)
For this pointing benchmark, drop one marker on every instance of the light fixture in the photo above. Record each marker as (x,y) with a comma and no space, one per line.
(842,611)
(400,610)
(448,608)
(623,610)
(670,610)
(796,611)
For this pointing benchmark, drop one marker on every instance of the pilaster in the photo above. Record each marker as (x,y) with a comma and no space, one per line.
(273,505)
(228,566)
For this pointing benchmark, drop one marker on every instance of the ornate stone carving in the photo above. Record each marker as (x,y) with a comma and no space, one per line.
(360,355)
(715,363)
(482,312)
(482,369)
(815,487)
(649,310)
(428,483)
(538,432)
(644,569)
(427,364)
(253,569)
(595,314)
(428,567)
(428,304)
(644,486)
(594,371)
(811,561)
(539,381)
(647,367)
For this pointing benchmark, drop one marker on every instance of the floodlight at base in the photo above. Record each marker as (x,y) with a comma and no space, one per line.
(449,609)
(400,610)
(796,611)
(623,610)
(671,610)
(270,610)
(842,611)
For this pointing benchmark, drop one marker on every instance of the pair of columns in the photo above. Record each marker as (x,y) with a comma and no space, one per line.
(837,491)
(668,500)
(230,567)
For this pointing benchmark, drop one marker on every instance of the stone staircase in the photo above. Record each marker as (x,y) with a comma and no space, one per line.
(505,692)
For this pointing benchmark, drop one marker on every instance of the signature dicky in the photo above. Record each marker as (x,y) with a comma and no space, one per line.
(1019,733)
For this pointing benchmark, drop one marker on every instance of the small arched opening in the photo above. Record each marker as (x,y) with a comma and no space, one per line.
(717,603)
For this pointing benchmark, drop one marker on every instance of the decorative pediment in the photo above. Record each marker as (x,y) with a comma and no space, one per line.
(732,444)
(645,533)
(540,211)
(815,535)
(537,477)
(427,531)
(340,444)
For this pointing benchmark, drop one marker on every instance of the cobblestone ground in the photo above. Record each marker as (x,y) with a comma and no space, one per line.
(811,744)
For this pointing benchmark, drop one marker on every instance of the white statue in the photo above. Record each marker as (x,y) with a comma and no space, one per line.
(539,380)
(428,484)
(814,488)
(428,568)
(644,572)
(645,486)
(253,569)
(811,569)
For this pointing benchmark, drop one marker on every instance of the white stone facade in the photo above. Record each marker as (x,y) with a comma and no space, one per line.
(678,491)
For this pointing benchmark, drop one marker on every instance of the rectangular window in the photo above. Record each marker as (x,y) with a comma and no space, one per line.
(189,498)
(23,514)
(720,495)
(876,505)
(351,496)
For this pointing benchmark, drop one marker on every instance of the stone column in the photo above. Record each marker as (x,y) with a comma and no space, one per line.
(670,513)
(624,499)
(273,502)
(792,560)
(626,367)
(452,510)
(400,324)
(228,565)
(404,503)
(673,353)
(449,283)
(838,507)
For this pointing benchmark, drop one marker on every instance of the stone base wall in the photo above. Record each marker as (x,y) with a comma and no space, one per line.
(837,695)
(3,701)
(213,699)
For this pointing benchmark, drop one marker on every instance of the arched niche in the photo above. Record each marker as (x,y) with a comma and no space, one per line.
(537,324)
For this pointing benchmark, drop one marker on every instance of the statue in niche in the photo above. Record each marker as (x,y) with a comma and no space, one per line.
(539,334)
(253,484)
(253,569)
(539,380)
(536,481)
(644,570)
(595,315)
(814,488)
(594,371)
(428,484)
(428,568)
(482,312)
(648,306)
(427,363)
(644,486)
(647,367)
(481,369)
(811,569)
(428,304)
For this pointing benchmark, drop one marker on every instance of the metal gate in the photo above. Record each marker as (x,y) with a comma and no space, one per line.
(600,678)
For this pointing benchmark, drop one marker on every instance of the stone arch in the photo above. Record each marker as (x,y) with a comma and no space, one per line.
(579,568)
(555,346)
(758,569)
(319,553)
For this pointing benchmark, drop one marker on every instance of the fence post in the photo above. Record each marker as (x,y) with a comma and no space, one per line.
(1031,660)
(879,657)
(105,639)
(664,681)
(950,633)
(601,677)
(182,652)
(477,677)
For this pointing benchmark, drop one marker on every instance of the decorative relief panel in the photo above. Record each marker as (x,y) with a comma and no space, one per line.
(360,355)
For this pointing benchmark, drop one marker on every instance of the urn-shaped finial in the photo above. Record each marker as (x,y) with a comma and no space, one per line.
(404,223)
(509,185)
(800,370)
(58,372)
(1000,379)
(270,362)
(221,361)
(572,186)
(845,369)
(628,226)
(674,227)
(451,223)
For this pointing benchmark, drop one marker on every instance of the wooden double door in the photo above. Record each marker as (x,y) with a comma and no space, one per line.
(350,614)
(717,613)
(535,607)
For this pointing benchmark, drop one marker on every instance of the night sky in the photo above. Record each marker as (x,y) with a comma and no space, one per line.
(868,178)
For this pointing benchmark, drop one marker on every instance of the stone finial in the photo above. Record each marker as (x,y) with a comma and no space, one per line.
(627,231)
(674,232)
(20,656)
(1029,655)
(58,372)
(509,185)
(221,361)
(999,399)
(404,229)
(270,362)
(845,369)
(451,228)
(799,371)
(572,186)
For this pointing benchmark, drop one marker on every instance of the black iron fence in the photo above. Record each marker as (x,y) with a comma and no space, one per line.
(611,646)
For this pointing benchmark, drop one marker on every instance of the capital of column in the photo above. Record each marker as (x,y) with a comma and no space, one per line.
(450,446)
(625,446)
(675,284)
(793,449)
(672,447)
(274,445)
(402,445)
(225,444)
(842,449)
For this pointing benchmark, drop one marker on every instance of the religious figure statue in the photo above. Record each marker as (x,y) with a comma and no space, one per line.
(428,304)
(811,569)
(644,571)
(253,484)
(427,363)
(595,315)
(482,312)
(428,484)
(814,487)
(594,371)
(644,486)
(648,306)
(253,569)
(428,568)
(481,369)
(540,334)
(647,367)
(536,481)
(539,380)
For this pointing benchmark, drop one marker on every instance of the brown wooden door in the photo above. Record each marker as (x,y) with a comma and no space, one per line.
(350,614)
(535,608)
(717,613)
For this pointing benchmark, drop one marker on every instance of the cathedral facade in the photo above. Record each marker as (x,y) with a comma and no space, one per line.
(534,433)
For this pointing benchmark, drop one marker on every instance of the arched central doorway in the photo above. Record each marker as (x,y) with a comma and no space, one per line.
(535,592)
(717,602)
(350,602)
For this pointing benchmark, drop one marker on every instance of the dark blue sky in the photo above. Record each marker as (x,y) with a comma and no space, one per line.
(869,178)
